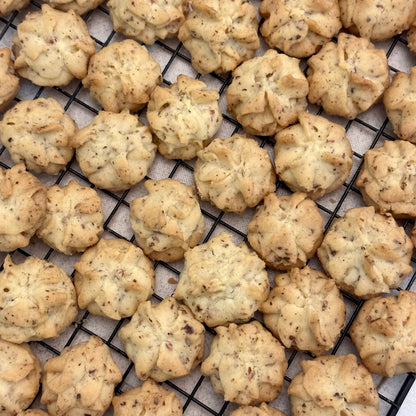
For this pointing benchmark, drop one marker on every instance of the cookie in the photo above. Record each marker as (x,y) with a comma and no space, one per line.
(33,412)
(304,310)
(37,300)
(299,28)
(148,20)
(112,278)
(122,76)
(411,38)
(222,282)
(19,377)
(164,340)
(220,35)
(346,78)
(234,173)
(262,410)
(286,230)
(74,218)
(400,103)
(384,335)
(366,253)
(387,179)
(52,47)
(377,21)
(9,82)
(246,364)
(267,93)
(333,385)
(78,6)
(22,207)
(150,399)
(81,380)
(8,6)
(115,151)
(168,221)
(184,117)
(38,133)
(313,156)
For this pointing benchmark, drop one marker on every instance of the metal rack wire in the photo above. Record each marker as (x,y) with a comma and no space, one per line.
(194,391)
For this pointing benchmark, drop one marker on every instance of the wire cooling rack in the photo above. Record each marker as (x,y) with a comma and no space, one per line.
(195,391)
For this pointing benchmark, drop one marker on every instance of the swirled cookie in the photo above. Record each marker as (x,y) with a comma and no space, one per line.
(19,377)
(348,77)
(387,178)
(305,310)
(262,410)
(333,385)
(22,207)
(286,230)
(184,117)
(234,173)
(267,93)
(115,150)
(38,133)
(112,278)
(37,300)
(313,156)
(220,34)
(78,6)
(222,282)
(377,20)
(400,104)
(384,334)
(148,20)
(299,28)
(81,380)
(74,218)
(122,76)
(52,47)
(150,399)
(366,253)
(168,221)
(8,6)
(164,341)
(246,364)
(9,81)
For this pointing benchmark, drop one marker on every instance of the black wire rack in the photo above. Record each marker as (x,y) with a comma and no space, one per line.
(370,129)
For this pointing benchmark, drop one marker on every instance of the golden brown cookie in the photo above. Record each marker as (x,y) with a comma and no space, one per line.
(78,6)
(9,81)
(262,410)
(8,6)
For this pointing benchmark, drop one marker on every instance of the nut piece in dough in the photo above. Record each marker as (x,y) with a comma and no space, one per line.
(384,334)
(9,81)
(246,364)
(387,179)
(400,104)
(222,282)
(168,221)
(286,230)
(148,20)
(184,117)
(299,28)
(19,377)
(313,156)
(38,133)
(37,300)
(122,76)
(150,399)
(78,6)
(348,77)
(366,253)
(8,6)
(74,218)
(164,341)
(81,380)
(305,310)
(267,93)
(220,34)
(377,20)
(115,150)
(22,207)
(262,410)
(333,385)
(52,47)
(234,173)
(112,278)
